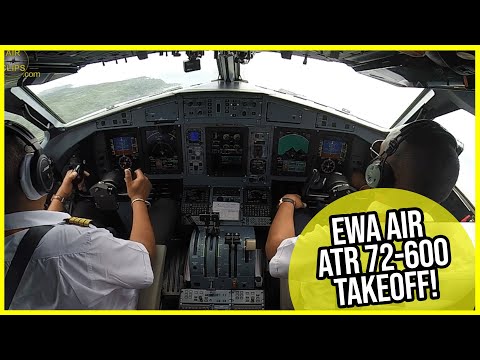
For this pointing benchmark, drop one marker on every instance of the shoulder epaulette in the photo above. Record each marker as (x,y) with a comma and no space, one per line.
(78,221)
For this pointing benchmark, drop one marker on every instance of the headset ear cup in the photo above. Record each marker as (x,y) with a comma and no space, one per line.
(387,179)
(26,178)
(43,174)
(373,173)
(36,171)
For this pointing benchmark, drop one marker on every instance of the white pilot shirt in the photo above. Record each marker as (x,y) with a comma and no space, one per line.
(278,265)
(76,267)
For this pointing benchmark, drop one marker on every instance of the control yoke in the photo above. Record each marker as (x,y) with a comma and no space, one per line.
(326,188)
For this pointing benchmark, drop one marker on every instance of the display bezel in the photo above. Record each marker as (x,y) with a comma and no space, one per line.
(212,159)
(113,159)
(282,131)
(178,144)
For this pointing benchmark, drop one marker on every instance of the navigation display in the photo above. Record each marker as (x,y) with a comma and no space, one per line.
(164,149)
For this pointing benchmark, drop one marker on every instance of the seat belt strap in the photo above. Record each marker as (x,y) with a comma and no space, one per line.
(20,260)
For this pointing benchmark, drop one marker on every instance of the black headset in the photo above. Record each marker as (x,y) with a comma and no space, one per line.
(36,168)
(380,174)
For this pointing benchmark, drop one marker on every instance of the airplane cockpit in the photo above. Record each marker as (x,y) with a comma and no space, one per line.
(221,153)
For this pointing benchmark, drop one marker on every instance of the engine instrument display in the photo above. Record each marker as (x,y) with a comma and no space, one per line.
(164,149)
(291,152)
(226,151)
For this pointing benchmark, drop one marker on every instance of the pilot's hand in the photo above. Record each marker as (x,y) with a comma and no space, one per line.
(358,180)
(298,200)
(138,188)
(66,188)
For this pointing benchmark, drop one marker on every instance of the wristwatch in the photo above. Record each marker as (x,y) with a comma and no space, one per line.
(285,199)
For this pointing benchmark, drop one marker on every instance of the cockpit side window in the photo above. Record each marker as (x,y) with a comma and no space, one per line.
(36,131)
(462,125)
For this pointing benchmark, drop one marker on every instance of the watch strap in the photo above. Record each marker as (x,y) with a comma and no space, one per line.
(59,198)
(286,199)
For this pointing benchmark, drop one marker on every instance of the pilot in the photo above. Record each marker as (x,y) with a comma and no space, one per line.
(425,161)
(72,267)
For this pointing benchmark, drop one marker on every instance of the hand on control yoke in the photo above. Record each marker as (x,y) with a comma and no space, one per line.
(138,188)
(298,200)
(72,178)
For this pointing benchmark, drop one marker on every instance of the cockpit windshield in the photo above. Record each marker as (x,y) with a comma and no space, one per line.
(102,86)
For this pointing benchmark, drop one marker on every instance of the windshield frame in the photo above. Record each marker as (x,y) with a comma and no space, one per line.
(106,110)
(32,100)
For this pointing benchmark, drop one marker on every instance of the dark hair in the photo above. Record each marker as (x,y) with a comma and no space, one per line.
(15,150)
(427,163)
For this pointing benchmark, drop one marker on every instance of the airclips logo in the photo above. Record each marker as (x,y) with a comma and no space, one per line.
(17,62)
(383,282)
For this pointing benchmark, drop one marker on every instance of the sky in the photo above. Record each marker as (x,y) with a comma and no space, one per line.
(461,124)
(329,83)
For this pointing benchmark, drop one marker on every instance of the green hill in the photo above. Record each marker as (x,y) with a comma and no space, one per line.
(71,103)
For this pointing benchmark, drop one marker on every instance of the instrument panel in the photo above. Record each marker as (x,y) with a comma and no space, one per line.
(228,151)
(231,152)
